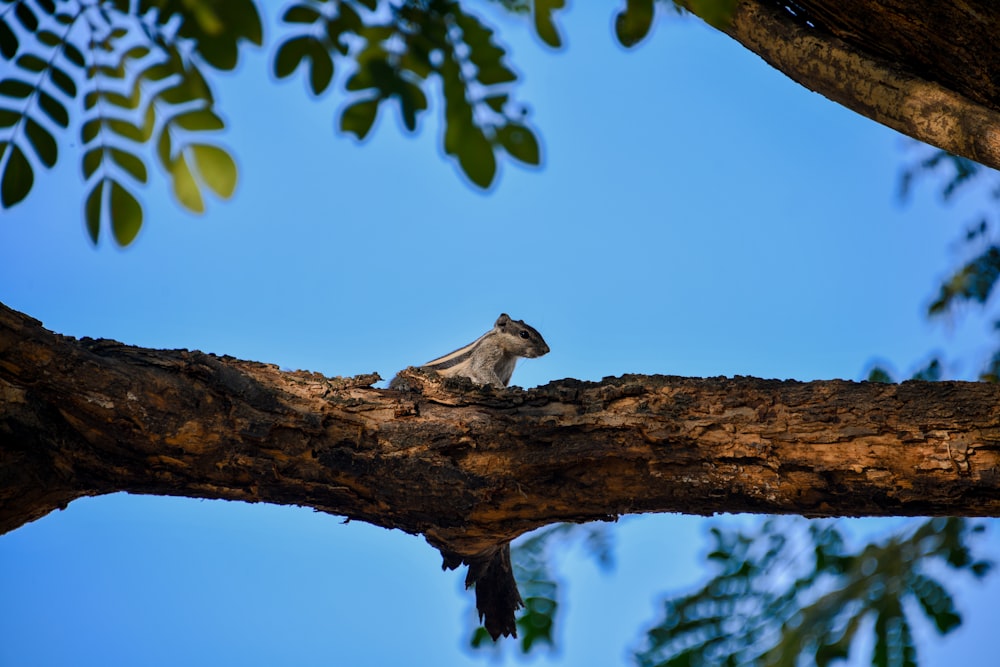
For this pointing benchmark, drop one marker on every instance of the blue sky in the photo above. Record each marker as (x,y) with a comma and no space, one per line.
(697,214)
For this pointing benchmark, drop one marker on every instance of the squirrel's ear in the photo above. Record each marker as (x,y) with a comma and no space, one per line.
(502,320)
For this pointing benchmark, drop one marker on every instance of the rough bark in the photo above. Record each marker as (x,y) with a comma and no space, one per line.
(930,70)
(472,467)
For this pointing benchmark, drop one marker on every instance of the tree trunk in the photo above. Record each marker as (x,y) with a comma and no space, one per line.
(472,467)
(928,69)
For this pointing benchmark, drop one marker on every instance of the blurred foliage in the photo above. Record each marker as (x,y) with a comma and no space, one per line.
(972,283)
(929,372)
(532,558)
(396,55)
(131,75)
(135,78)
(786,591)
(784,596)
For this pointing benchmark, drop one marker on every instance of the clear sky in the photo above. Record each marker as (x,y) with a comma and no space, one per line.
(697,214)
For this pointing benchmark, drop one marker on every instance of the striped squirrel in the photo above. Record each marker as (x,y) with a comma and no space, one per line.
(490,359)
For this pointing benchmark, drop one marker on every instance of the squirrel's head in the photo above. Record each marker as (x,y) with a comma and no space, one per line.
(519,338)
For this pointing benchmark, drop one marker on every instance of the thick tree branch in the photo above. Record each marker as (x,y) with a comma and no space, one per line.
(928,70)
(471,467)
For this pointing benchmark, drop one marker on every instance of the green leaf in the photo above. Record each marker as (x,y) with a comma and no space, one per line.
(929,373)
(520,143)
(92,211)
(31,63)
(148,122)
(411,102)
(15,88)
(160,71)
(633,23)
(198,120)
(216,168)
(322,68)
(26,16)
(191,87)
(164,149)
(124,102)
(126,214)
(475,156)
(17,179)
(879,374)
(130,163)
(42,142)
(53,108)
(544,23)
(301,14)
(219,46)
(185,187)
(92,160)
(128,130)
(109,72)
(90,130)
(9,118)
(62,81)
(484,54)
(8,41)
(48,38)
(73,55)
(497,102)
(290,54)
(936,602)
(347,20)
(136,53)
(716,13)
(359,117)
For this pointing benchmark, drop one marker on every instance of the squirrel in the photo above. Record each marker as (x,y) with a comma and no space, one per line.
(490,359)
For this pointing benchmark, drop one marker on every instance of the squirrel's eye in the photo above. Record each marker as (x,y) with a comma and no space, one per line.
(525,334)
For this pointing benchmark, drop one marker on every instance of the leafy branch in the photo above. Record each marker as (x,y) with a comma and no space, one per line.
(143,86)
(394,59)
(767,605)
(141,65)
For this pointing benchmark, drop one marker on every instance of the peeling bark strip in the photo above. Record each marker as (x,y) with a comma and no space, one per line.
(472,467)
(927,69)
